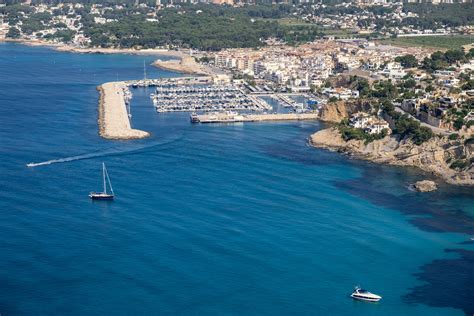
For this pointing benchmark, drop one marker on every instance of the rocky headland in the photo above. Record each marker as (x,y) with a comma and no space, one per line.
(449,159)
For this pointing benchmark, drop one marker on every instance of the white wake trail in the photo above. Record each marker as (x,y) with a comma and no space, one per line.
(110,152)
(67,159)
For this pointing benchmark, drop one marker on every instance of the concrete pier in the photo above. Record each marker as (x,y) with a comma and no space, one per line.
(232,117)
(114,122)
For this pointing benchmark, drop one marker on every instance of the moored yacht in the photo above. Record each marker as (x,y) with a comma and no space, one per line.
(364,295)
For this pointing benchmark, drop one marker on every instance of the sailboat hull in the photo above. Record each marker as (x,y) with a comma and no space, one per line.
(101,196)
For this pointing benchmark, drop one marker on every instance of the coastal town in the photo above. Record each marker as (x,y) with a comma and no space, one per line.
(237,157)
(345,68)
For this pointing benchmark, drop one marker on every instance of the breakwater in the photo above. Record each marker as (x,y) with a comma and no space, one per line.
(114,122)
(234,117)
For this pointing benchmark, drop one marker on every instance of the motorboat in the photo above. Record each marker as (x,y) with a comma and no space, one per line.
(364,295)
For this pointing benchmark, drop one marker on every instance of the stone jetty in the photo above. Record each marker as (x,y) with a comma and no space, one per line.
(114,122)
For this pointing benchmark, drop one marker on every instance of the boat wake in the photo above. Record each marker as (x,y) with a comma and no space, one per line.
(67,159)
(105,153)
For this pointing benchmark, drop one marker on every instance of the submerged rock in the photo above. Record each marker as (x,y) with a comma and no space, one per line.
(425,186)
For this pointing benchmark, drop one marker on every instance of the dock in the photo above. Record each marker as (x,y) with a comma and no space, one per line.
(114,121)
(234,117)
(170,82)
(215,97)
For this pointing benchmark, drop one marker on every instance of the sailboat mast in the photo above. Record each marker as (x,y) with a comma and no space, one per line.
(103,176)
(144,71)
(110,183)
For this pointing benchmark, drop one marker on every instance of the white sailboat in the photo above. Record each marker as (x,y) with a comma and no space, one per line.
(104,195)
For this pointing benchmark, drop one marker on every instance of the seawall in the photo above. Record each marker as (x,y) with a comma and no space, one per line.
(225,118)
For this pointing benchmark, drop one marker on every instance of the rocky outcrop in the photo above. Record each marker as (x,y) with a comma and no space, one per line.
(434,156)
(336,111)
(425,186)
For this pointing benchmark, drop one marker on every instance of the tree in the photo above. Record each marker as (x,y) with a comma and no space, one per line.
(409,83)
(387,107)
(407,61)
(458,123)
(13,32)
(453,56)
(410,128)
(422,134)
(469,85)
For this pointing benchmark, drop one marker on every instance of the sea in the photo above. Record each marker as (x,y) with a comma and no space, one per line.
(237,219)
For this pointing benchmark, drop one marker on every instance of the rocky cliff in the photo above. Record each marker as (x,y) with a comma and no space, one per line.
(434,156)
(336,111)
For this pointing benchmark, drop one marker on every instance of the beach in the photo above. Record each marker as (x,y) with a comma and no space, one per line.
(113,117)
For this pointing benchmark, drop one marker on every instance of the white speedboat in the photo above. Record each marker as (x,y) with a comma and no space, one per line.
(364,295)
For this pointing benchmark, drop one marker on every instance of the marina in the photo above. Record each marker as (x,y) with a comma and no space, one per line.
(173,98)
(209,101)
(144,83)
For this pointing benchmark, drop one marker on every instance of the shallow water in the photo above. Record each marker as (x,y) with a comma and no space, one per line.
(209,219)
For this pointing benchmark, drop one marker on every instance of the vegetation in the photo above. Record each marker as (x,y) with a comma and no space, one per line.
(451,14)
(348,133)
(360,84)
(62,35)
(440,60)
(460,164)
(405,126)
(409,128)
(439,42)
(407,61)
(453,136)
(384,90)
(202,27)
(13,32)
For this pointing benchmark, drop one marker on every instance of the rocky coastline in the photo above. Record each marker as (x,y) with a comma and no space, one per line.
(433,156)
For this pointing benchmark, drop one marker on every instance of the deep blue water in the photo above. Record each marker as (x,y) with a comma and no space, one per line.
(209,219)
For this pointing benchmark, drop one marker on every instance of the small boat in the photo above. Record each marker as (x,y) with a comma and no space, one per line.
(104,195)
(364,295)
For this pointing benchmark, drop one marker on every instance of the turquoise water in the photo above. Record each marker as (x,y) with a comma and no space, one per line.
(209,219)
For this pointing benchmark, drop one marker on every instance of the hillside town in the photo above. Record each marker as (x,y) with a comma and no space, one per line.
(335,70)
(71,23)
